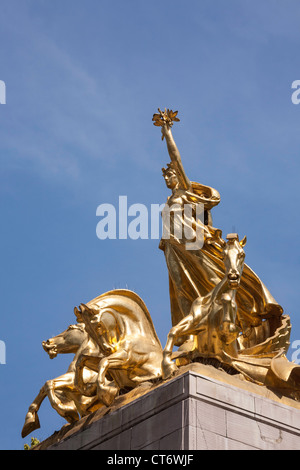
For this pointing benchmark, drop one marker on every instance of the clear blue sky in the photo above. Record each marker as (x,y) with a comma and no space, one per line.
(83,80)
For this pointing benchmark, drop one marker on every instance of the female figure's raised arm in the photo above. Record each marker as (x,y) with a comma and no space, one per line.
(165,120)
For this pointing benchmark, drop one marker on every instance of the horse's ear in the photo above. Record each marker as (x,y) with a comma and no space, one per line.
(243,242)
(78,315)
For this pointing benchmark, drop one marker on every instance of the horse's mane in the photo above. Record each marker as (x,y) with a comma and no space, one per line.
(131,295)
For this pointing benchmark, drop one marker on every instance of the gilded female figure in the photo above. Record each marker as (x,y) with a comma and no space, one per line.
(195,272)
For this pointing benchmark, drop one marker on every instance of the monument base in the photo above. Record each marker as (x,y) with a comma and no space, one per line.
(200,408)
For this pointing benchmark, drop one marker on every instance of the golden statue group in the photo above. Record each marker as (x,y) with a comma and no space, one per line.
(221,312)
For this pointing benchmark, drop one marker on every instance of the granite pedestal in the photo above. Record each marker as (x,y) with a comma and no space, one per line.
(201,408)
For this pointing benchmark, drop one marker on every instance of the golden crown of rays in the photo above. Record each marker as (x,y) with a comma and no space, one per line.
(165,117)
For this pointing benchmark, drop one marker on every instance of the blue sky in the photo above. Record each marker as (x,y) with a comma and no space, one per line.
(83,80)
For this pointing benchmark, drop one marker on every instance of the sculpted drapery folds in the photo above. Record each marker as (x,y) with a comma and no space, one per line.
(194,273)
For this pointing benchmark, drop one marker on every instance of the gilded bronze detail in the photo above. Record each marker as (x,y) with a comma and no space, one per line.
(116,349)
(221,313)
(130,352)
(212,319)
(63,394)
(258,351)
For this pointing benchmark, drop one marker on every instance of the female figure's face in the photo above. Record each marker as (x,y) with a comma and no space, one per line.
(171,179)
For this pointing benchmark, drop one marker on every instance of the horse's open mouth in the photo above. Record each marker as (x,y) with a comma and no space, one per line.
(50,349)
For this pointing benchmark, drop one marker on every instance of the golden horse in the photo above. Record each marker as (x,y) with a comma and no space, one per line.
(62,393)
(120,325)
(213,318)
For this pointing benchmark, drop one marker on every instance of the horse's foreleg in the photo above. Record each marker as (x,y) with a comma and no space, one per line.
(107,391)
(32,420)
(87,389)
(184,327)
(65,407)
(228,330)
(227,308)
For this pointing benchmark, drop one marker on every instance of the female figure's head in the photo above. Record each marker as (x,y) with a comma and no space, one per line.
(170,177)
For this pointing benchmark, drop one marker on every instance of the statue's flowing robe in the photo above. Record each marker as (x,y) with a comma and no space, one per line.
(195,272)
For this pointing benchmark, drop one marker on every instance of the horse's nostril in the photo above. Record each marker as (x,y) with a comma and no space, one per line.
(46,344)
(233,276)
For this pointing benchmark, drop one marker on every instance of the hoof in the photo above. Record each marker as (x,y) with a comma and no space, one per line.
(107,394)
(168,369)
(32,423)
